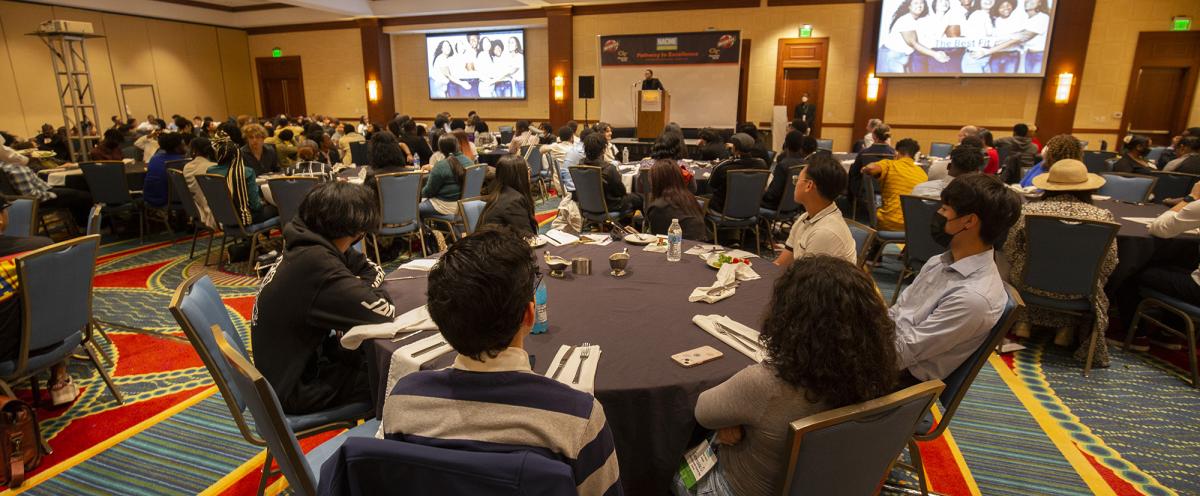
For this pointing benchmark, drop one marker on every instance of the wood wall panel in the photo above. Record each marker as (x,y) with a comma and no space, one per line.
(559,30)
(1067,54)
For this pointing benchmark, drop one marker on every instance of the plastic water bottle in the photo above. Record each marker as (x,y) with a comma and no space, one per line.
(541,320)
(417,161)
(674,241)
(624,154)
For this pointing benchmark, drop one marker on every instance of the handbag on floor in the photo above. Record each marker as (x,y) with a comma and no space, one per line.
(20,440)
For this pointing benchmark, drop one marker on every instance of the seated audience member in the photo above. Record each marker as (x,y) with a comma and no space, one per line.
(897,177)
(712,146)
(27,183)
(54,141)
(511,203)
(256,153)
(615,196)
(559,149)
(110,147)
(1019,142)
(988,144)
(545,134)
(880,149)
(483,136)
(1069,189)
(1171,278)
(1172,152)
(327,151)
(147,142)
(792,155)
(798,125)
(1061,147)
(240,180)
(743,158)
(465,145)
(760,149)
(480,296)
(671,199)
(1133,156)
(417,145)
(669,144)
(444,187)
(967,131)
(171,146)
(349,135)
(202,161)
(340,288)
(820,230)
(574,156)
(956,299)
(869,138)
(964,159)
(285,148)
(62,389)
(458,124)
(522,136)
(1188,159)
(822,353)
(386,157)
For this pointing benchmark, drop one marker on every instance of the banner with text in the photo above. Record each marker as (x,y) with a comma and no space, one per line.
(708,47)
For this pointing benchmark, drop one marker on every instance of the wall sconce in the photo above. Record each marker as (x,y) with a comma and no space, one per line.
(558,88)
(372,90)
(1062,92)
(806,31)
(872,87)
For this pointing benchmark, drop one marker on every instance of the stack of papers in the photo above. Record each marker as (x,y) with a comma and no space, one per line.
(559,238)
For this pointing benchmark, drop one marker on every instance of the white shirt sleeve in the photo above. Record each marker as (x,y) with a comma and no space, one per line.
(1171,224)
(10,156)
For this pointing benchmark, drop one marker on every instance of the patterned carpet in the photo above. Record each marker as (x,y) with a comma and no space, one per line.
(1031,424)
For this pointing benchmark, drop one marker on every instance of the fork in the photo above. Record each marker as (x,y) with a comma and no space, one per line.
(719,290)
(583,356)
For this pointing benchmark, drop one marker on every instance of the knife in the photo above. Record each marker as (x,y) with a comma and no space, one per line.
(563,362)
(739,336)
(429,349)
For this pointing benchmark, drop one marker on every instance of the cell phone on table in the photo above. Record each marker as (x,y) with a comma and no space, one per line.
(692,358)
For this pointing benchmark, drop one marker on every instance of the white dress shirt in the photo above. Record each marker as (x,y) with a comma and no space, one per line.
(1170,224)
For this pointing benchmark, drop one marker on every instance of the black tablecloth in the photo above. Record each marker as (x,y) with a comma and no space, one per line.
(639,321)
(135,173)
(1136,248)
(493,157)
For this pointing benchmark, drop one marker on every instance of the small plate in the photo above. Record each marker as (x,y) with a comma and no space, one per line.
(640,239)
(35,153)
(537,241)
(712,260)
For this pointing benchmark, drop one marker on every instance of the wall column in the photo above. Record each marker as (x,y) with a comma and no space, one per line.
(559,36)
(865,110)
(1072,28)
(377,65)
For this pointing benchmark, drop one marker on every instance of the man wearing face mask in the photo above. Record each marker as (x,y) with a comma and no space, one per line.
(320,284)
(944,316)
(805,111)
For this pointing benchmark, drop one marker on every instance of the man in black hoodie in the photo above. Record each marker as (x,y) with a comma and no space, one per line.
(320,285)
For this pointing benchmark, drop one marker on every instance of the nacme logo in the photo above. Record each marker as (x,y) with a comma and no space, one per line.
(667,43)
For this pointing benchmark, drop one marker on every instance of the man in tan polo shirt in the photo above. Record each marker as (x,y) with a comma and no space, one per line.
(821,228)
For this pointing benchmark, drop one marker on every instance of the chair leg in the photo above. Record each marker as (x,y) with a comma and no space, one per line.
(266,474)
(100,329)
(195,234)
(1137,319)
(250,260)
(141,213)
(899,284)
(112,388)
(1087,365)
(1191,337)
(221,252)
(375,243)
(208,249)
(36,388)
(914,454)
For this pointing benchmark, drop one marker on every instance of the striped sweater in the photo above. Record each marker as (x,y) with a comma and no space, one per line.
(501,406)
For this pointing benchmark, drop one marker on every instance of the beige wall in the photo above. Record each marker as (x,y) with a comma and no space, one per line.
(996,104)
(409,71)
(335,82)
(191,73)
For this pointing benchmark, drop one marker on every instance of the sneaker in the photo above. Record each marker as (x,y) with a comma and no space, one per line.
(64,392)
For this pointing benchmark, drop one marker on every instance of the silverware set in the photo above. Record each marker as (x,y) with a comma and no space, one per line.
(747,343)
(583,356)
(720,290)
(584,353)
(402,278)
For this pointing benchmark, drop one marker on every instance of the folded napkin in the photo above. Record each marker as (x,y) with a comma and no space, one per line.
(404,363)
(598,239)
(421,264)
(740,254)
(708,324)
(704,250)
(558,237)
(658,246)
(416,319)
(587,376)
(726,279)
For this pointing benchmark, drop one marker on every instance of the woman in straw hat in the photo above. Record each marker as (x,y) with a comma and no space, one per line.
(1068,193)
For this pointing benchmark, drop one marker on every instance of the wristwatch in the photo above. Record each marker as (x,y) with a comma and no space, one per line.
(1189,199)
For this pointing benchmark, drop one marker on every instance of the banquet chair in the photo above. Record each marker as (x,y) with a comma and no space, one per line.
(109,185)
(365,465)
(288,192)
(1064,256)
(177,164)
(471,212)
(957,384)
(787,209)
(1171,185)
(399,194)
(22,217)
(55,286)
(278,435)
(1186,312)
(940,149)
(743,198)
(360,153)
(864,239)
(506,135)
(179,188)
(589,194)
(472,187)
(198,309)
(220,202)
(848,450)
(1155,153)
(538,173)
(919,245)
(1129,188)
(825,144)
(1097,162)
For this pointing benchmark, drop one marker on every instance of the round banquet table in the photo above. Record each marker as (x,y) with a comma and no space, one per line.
(638,321)
(135,173)
(1136,247)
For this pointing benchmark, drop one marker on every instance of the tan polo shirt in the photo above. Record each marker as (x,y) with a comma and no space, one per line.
(825,233)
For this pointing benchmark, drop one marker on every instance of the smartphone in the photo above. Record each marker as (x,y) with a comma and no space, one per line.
(692,358)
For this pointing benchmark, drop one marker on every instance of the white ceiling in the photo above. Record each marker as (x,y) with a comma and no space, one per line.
(307,11)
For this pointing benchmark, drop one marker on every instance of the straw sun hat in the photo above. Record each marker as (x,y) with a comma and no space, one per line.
(1068,175)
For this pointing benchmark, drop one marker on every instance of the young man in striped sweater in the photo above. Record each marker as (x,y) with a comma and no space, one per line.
(480,295)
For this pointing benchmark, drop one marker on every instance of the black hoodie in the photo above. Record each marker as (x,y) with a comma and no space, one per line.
(312,290)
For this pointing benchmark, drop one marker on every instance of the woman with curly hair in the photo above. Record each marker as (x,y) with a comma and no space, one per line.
(822,353)
(1061,147)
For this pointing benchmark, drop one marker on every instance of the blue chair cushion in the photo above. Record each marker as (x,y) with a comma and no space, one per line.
(392,231)
(45,359)
(890,235)
(253,228)
(731,222)
(307,421)
(1186,307)
(768,213)
(1081,305)
(323,451)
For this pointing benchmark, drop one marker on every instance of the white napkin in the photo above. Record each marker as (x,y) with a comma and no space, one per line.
(587,376)
(740,254)
(57,179)
(658,246)
(403,363)
(726,276)
(416,319)
(599,239)
(421,264)
(706,322)
(558,237)
(703,249)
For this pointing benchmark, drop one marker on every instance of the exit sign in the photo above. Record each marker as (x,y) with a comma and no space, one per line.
(1181,24)
(275,52)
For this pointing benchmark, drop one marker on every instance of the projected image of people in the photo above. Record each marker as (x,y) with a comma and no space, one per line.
(476,65)
(964,37)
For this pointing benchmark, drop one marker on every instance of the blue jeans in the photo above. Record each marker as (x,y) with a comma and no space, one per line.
(426,209)
(1005,62)
(892,61)
(712,484)
(1033,62)
(974,65)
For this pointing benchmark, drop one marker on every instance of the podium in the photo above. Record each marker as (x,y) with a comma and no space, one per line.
(653,113)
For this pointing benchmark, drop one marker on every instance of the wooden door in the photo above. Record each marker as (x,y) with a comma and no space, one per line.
(1165,70)
(139,101)
(799,69)
(281,85)
(798,82)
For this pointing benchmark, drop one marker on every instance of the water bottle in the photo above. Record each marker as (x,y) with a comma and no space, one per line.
(417,161)
(625,155)
(541,321)
(674,241)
